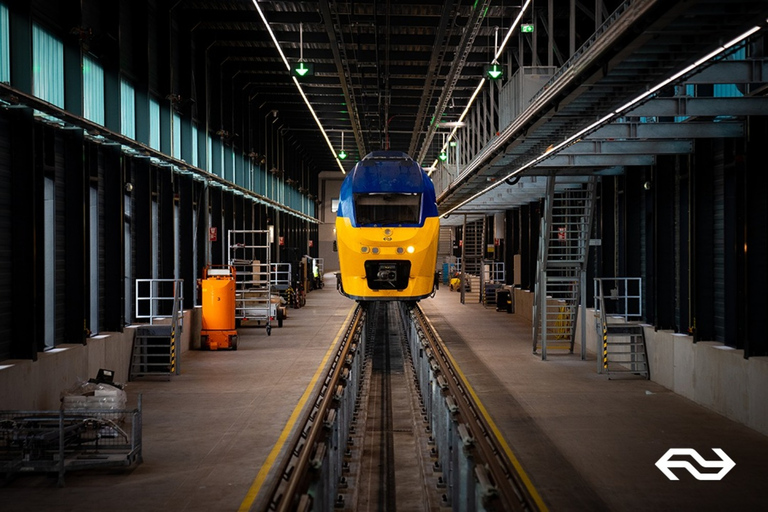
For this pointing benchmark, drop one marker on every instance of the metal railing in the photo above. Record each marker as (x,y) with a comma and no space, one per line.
(158,300)
(624,297)
(280,276)
(494,271)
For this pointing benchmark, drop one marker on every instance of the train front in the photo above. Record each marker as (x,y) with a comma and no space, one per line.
(387,229)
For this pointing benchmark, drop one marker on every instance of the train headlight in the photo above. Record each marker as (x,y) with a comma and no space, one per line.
(364,250)
(410,249)
(400,250)
(375,250)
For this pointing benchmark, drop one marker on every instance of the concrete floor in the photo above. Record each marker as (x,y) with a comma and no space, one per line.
(586,442)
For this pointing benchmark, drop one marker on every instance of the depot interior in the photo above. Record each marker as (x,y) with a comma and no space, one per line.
(136,137)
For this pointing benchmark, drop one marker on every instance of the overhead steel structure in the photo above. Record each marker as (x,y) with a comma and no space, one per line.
(592,89)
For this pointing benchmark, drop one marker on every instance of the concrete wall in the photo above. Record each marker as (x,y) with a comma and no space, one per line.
(708,373)
(37,385)
(329,186)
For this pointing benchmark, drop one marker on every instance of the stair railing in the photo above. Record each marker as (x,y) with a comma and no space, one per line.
(626,295)
(161,301)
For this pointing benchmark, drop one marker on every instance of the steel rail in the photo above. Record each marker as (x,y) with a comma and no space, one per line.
(503,485)
(308,444)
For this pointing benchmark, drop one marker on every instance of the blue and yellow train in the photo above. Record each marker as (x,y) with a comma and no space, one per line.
(387,229)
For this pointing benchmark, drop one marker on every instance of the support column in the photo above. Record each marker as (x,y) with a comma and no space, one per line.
(27,229)
(186,239)
(114,239)
(76,239)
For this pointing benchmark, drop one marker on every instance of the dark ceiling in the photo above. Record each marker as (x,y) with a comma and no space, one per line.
(384,71)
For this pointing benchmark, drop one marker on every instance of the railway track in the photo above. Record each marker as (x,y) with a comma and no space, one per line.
(395,427)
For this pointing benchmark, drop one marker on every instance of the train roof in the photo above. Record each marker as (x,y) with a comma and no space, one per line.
(389,171)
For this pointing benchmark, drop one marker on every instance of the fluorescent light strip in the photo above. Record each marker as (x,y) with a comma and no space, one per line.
(298,86)
(509,32)
(624,108)
(482,81)
(317,120)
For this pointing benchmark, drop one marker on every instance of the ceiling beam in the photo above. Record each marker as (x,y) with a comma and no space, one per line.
(687,130)
(698,107)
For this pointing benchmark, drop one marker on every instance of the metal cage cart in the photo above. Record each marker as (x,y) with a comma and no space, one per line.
(249,253)
(59,441)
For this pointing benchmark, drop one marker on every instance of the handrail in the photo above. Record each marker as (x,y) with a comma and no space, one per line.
(624,293)
(177,305)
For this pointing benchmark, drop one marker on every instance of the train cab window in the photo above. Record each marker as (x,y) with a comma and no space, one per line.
(387,209)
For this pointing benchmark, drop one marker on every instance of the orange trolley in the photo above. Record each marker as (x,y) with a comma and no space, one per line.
(218,300)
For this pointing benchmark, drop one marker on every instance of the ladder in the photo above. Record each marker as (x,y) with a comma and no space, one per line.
(561,264)
(445,244)
(154,352)
(471,261)
(474,249)
(623,341)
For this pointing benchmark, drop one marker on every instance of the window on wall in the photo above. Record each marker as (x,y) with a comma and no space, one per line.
(49,255)
(154,124)
(194,145)
(127,110)
(93,91)
(47,67)
(208,154)
(176,149)
(94,259)
(5,45)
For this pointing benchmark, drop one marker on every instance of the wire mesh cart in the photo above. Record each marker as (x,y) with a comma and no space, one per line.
(249,252)
(67,440)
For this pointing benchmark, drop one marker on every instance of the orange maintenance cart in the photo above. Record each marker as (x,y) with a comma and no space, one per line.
(218,300)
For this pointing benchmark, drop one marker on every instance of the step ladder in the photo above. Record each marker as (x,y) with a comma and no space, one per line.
(155,351)
(624,349)
(561,264)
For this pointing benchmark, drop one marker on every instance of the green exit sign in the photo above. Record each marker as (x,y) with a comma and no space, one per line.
(526,28)
(302,69)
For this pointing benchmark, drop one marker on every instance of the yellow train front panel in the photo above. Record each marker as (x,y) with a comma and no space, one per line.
(387,263)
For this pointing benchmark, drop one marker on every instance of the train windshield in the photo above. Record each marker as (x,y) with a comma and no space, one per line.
(387,209)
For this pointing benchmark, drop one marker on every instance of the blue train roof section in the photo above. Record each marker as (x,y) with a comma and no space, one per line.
(387,172)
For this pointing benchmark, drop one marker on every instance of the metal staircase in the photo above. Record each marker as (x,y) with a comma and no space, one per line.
(561,264)
(623,340)
(474,249)
(471,262)
(154,351)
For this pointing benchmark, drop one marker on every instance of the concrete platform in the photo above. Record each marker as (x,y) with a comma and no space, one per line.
(586,442)
(208,431)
